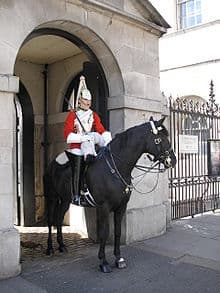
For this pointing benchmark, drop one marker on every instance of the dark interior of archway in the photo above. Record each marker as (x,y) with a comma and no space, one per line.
(27,158)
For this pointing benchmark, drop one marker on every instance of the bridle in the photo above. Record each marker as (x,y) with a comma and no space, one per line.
(164,155)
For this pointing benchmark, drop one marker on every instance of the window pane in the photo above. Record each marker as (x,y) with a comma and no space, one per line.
(198,5)
(190,6)
(191,21)
(199,19)
(190,13)
(183,10)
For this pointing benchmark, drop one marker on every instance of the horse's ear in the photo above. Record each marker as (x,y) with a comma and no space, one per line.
(151,118)
(161,121)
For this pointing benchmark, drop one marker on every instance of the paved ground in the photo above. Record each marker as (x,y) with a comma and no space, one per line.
(34,242)
(185,259)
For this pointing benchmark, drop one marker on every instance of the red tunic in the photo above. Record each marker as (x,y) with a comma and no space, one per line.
(69,127)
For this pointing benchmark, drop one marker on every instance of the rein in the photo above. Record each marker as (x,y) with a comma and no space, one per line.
(145,169)
(139,167)
(128,187)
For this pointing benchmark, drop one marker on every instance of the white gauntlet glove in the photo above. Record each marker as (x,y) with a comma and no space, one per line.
(107,137)
(86,137)
(78,138)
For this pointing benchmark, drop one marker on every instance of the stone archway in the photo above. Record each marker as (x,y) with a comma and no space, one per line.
(44,139)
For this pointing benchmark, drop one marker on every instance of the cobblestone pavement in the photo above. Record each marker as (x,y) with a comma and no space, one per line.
(34,242)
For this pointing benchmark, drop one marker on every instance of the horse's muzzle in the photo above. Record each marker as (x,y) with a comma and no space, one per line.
(168,159)
(167,163)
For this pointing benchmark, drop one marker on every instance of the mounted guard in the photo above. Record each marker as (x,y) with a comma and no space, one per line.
(108,179)
(83,130)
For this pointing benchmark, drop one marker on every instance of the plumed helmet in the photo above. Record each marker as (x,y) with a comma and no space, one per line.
(85,94)
(82,91)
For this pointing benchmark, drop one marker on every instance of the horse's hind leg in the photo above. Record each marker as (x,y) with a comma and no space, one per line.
(63,207)
(103,229)
(118,215)
(50,206)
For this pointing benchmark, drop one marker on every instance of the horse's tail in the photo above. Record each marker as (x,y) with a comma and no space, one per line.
(52,206)
(48,190)
(47,182)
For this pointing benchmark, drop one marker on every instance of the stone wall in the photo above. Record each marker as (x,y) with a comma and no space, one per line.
(9,236)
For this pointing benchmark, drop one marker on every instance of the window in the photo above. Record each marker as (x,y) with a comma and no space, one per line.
(189,13)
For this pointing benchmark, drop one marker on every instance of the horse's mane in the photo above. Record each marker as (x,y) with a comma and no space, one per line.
(122,138)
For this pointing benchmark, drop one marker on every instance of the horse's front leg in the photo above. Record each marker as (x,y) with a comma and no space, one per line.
(49,249)
(118,215)
(62,247)
(103,233)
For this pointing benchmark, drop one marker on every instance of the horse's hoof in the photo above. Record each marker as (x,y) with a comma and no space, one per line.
(63,249)
(120,263)
(105,268)
(49,251)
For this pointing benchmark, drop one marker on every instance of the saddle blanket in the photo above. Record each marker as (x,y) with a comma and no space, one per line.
(62,159)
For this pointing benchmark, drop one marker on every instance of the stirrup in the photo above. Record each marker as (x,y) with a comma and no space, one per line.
(79,201)
(75,199)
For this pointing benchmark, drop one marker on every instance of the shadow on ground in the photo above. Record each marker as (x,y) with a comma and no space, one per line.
(34,243)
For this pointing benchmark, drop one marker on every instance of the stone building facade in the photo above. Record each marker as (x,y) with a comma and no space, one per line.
(189,51)
(43,51)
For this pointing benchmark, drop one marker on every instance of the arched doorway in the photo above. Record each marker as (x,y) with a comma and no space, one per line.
(40,73)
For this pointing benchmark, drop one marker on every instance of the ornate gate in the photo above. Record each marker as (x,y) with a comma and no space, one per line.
(193,125)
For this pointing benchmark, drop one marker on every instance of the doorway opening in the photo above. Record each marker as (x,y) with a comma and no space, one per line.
(41,108)
(25,204)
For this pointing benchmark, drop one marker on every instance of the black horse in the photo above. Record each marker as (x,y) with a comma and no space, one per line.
(108,180)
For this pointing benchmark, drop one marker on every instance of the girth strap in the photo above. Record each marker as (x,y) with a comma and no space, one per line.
(90,199)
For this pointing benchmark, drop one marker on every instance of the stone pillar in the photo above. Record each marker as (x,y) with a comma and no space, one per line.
(146,214)
(9,236)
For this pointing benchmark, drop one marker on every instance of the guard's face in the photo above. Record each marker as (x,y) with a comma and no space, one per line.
(84,104)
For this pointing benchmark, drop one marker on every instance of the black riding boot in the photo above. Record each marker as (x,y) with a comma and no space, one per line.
(90,159)
(77,166)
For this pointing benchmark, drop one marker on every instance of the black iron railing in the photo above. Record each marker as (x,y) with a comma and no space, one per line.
(192,123)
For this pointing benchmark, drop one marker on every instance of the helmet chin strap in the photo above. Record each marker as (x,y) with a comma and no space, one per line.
(83,106)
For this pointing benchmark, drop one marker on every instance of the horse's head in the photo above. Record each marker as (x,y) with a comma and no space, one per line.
(158,143)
